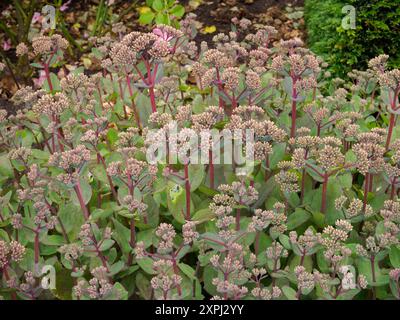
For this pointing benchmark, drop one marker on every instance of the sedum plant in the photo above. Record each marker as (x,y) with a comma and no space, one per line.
(121,181)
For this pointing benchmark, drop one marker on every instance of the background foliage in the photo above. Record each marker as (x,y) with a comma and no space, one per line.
(377,30)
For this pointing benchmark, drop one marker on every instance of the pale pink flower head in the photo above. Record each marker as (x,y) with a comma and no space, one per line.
(37,17)
(163,34)
(7,44)
(65,6)
(38,82)
(167,33)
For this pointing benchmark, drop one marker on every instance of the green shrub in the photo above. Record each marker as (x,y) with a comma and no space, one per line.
(377,29)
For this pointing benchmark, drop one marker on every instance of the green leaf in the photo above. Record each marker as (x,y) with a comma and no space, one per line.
(394,256)
(319,219)
(27,262)
(158,5)
(187,270)
(143,284)
(143,102)
(146,236)
(170,3)
(350,156)
(322,262)
(288,86)
(86,192)
(294,199)
(208,275)
(100,214)
(25,137)
(196,176)
(348,295)
(36,65)
(122,293)
(289,292)
(46,250)
(40,154)
(334,192)
(129,271)
(5,167)
(394,289)
(185,249)
(122,235)
(297,218)
(284,240)
(64,283)
(277,154)
(264,242)
(146,18)
(5,200)
(307,263)
(385,96)
(112,136)
(116,267)
(176,200)
(314,174)
(178,11)
(203,215)
(162,18)
(207,191)
(213,239)
(100,174)
(54,82)
(107,244)
(365,268)
(71,218)
(52,240)
(153,211)
(147,265)
(345,180)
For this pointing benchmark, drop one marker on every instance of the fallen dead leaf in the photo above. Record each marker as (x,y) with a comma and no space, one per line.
(209,29)
(143,10)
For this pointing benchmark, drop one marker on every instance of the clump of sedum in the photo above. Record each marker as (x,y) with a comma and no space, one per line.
(315,214)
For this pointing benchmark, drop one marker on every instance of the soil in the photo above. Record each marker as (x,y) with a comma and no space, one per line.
(285,15)
(261,12)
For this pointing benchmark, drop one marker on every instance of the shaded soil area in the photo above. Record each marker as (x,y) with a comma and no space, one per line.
(213,17)
(285,15)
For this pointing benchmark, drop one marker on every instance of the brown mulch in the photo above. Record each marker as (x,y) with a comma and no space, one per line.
(261,12)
